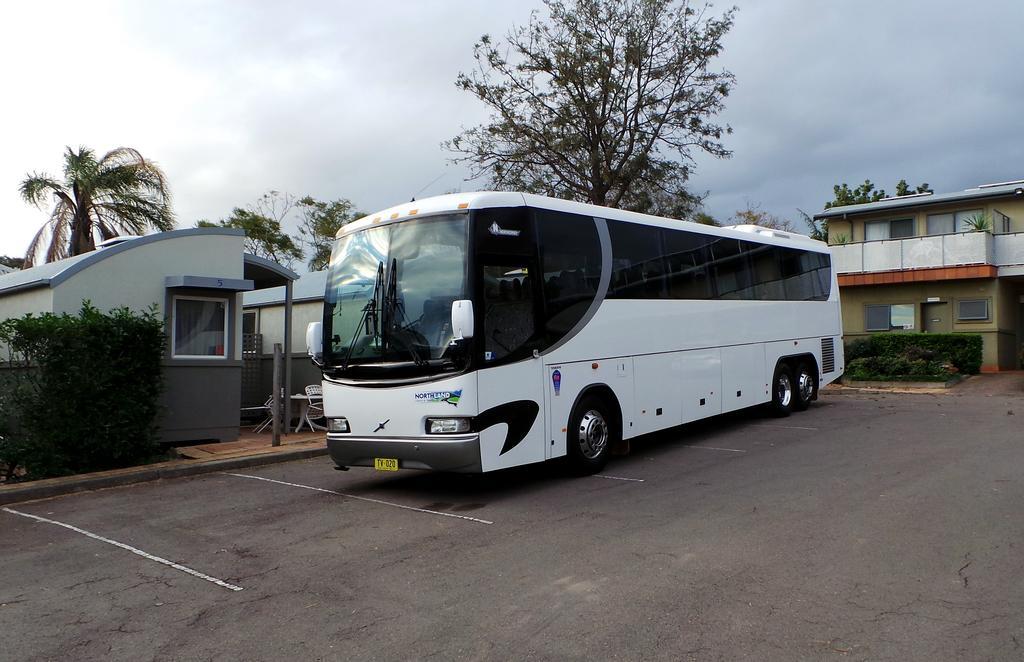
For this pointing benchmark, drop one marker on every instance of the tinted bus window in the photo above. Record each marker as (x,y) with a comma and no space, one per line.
(806,276)
(766,278)
(686,259)
(638,263)
(729,268)
(570,254)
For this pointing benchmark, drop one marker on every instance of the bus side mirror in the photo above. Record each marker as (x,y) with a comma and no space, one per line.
(462,319)
(315,342)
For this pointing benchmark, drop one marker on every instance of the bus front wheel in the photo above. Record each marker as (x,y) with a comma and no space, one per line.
(782,390)
(591,434)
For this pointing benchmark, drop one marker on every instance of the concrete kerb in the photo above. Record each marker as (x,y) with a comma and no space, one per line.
(52,487)
(857,386)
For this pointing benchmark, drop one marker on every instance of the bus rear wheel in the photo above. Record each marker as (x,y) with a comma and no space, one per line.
(591,434)
(805,386)
(782,391)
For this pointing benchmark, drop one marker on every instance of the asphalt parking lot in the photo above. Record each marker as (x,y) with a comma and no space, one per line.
(870,527)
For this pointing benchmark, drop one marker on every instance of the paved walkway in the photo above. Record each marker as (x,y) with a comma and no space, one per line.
(996,383)
(248,443)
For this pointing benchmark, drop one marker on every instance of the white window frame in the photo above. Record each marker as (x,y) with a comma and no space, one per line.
(988,310)
(174,326)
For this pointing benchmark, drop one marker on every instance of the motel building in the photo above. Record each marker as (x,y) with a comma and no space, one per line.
(935,263)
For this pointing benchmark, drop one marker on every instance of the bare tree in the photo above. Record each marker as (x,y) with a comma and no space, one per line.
(603,101)
(754,215)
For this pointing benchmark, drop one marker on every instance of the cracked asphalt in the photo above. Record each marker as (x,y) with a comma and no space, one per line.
(872,527)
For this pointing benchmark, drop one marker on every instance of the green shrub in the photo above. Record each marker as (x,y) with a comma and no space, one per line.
(961,350)
(858,348)
(877,368)
(80,392)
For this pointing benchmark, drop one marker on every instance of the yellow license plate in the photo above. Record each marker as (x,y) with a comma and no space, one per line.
(385,464)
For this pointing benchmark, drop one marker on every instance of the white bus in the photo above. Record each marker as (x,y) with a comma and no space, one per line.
(479,331)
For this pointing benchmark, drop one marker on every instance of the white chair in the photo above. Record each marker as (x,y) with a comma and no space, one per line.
(268,408)
(315,408)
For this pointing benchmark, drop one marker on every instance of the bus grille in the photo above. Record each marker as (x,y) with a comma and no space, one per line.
(828,355)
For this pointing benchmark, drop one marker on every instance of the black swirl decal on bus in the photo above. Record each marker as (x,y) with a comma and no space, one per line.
(519,416)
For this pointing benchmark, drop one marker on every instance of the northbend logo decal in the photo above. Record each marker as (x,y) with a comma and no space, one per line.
(451,397)
(499,231)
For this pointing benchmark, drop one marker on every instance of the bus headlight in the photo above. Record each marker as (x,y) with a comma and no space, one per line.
(447,425)
(337,424)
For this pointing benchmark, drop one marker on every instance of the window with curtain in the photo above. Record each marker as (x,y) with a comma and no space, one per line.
(940,223)
(200,328)
(899,228)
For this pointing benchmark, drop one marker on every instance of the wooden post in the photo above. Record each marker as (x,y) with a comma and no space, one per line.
(277,395)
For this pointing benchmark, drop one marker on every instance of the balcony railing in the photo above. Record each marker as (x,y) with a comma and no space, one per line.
(945,250)
(1009,249)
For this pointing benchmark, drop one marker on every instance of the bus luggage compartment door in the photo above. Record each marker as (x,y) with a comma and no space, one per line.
(510,404)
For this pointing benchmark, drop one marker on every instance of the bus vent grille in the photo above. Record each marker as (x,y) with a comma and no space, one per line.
(828,355)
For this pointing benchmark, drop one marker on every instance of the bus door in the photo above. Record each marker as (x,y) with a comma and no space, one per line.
(510,380)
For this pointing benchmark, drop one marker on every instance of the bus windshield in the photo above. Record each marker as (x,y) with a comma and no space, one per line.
(390,290)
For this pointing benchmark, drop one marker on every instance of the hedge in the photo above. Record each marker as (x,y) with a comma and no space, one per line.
(80,393)
(915,356)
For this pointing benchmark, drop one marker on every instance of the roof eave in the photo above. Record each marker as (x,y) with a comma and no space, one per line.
(845,211)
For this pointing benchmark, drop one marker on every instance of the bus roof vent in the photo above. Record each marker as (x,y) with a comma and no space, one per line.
(757,229)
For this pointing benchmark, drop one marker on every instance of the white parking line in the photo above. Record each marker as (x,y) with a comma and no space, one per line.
(133,550)
(783,427)
(362,498)
(714,448)
(634,480)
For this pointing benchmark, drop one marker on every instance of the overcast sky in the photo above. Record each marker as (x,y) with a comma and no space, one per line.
(352,99)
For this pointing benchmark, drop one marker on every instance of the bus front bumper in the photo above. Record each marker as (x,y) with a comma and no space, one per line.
(457,453)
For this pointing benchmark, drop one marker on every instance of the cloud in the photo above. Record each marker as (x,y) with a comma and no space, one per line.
(340,100)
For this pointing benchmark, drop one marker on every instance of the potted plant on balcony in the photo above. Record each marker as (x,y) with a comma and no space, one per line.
(978,223)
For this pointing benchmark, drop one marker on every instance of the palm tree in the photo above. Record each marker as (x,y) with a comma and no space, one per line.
(121,193)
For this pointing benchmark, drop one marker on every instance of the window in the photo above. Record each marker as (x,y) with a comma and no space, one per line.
(638,267)
(806,276)
(895,229)
(963,217)
(686,261)
(730,268)
(765,271)
(972,309)
(200,327)
(940,223)
(249,322)
(508,309)
(570,267)
(886,317)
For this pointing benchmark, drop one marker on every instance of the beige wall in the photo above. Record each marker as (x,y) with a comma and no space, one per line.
(853,229)
(270,323)
(999,332)
(37,300)
(135,277)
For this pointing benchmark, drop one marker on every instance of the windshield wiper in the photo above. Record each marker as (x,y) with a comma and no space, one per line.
(395,322)
(369,318)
